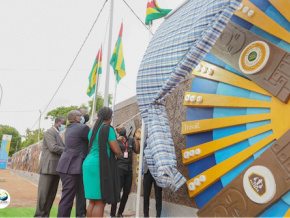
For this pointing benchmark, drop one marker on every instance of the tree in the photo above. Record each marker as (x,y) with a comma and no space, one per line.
(60,111)
(63,111)
(100,102)
(31,137)
(16,137)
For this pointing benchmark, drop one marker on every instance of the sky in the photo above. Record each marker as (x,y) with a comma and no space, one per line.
(39,41)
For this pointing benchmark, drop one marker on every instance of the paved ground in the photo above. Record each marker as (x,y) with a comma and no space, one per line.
(22,192)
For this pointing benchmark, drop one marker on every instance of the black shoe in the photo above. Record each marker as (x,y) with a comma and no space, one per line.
(120,215)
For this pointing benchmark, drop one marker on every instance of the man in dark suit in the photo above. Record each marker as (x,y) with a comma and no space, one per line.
(53,147)
(71,160)
(80,193)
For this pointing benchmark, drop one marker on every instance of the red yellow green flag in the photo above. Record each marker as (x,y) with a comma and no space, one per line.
(154,12)
(97,69)
(117,59)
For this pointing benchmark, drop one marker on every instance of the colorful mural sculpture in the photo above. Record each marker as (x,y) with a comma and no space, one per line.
(238,110)
(28,158)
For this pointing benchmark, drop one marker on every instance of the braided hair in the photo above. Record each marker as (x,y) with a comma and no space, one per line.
(105,113)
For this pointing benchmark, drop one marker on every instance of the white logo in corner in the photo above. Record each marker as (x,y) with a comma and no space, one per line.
(4,199)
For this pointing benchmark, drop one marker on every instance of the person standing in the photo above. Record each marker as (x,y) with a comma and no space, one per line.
(127,145)
(71,160)
(148,180)
(80,193)
(101,179)
(53,147)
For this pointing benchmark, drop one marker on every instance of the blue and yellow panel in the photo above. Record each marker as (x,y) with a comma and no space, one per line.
(231,120)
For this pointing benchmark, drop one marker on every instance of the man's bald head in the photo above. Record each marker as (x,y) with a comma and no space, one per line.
(82,110)
(74,116)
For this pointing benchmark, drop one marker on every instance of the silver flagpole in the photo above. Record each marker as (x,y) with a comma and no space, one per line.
(106,93)
(140,168)
(96,96)
(115,95)
(141,152)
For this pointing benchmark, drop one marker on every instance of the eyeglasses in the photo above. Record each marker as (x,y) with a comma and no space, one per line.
(79,115)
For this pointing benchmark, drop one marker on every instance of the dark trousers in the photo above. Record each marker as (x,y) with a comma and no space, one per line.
(80,199)
(147,185)
(69,188)
(47,188)
(126,183)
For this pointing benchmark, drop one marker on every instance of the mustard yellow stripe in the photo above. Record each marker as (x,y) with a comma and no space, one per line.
(93,78)
(121,73)
(261,20)
(151,11)
(120,56)
(214,173)
(287,213)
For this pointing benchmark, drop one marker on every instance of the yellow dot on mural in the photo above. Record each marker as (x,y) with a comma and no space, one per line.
(136,181)
(138,158)
(137,169)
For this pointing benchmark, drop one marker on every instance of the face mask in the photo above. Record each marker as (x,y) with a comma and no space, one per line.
(122,132)
(87,117)
(62,127)
(83,120)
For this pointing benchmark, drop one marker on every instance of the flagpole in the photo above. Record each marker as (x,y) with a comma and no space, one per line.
(141,155)
(95,97)
(106,93)
(115,95)
(150,30)
(143,136)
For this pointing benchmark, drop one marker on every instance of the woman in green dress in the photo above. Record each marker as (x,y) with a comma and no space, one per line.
(100,175)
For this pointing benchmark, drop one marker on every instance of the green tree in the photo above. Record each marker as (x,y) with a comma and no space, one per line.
(16,137)
(60,111)
(31,137)
(63,111)
(100,102)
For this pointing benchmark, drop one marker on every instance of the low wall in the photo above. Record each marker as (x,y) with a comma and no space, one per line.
(28,158)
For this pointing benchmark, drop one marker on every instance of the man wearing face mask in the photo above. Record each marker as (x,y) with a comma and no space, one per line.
(85,114)
(71,160)
(53,147)
(127,145)
(81,210)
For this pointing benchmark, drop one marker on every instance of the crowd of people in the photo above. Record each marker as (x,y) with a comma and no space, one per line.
(93,164)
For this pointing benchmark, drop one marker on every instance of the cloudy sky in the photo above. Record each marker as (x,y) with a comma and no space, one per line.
(39,41)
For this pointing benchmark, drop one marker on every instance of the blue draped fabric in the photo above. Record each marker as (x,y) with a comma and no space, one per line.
(178,45)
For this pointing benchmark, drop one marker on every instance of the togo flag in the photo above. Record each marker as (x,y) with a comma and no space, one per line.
(97,69)
(154,12)
(117,59)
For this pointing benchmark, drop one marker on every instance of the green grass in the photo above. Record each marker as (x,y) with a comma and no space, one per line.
(28,212)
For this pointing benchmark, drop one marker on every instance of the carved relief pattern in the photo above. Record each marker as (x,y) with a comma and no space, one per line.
(231,204)
(232,201)
(275,75)
(176,113)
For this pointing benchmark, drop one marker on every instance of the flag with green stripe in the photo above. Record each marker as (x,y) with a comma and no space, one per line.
(97,69)
(117,59)
(154,12)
